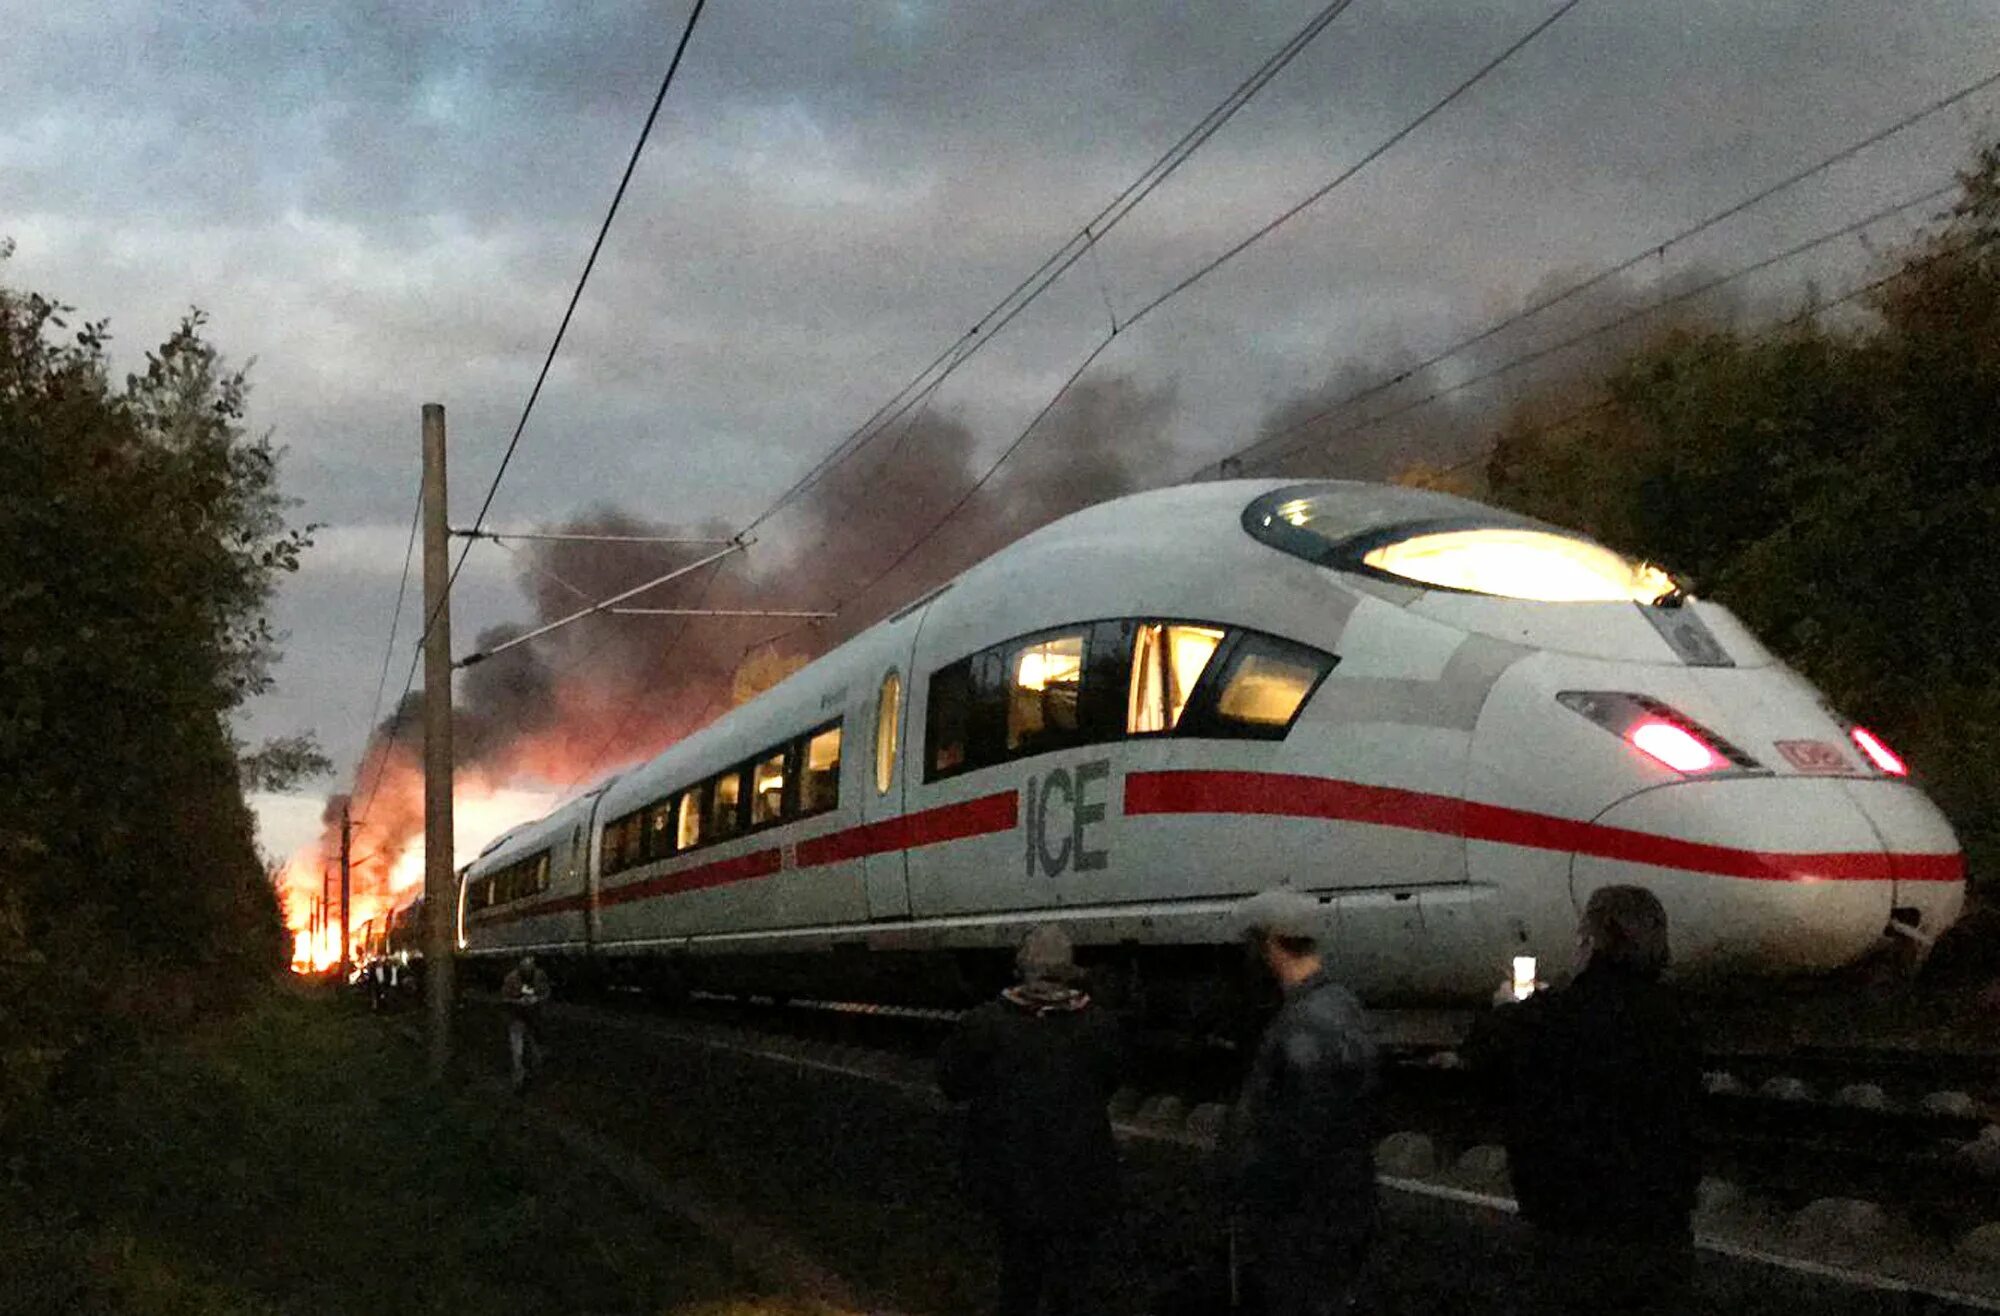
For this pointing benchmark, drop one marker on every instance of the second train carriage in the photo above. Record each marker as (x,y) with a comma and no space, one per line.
(1446,722)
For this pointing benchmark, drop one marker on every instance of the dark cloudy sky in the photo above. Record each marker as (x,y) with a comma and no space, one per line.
(387,203)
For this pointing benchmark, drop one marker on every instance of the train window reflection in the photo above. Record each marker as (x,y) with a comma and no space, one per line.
(1042,701)
(690,820)
(1167,661)
(1267,682)
(660,830)
(767,790)
(1521,564)
(819,784)
(887,719)
(724,815)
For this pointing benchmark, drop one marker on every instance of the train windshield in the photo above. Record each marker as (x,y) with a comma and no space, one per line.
(1493,554)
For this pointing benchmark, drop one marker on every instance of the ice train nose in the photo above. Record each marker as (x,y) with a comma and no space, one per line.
(1777,874)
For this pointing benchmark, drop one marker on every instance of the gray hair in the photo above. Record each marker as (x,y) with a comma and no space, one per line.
(1045,956)
(1627,927)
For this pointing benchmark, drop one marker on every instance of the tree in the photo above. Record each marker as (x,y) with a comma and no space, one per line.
(141,535)
(1837,487)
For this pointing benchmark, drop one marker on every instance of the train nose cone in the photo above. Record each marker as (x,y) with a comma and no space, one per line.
(1764,875)
(1923,853)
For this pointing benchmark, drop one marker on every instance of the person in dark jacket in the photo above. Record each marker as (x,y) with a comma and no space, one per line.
(1600,1081)
(1038,1066)
(1302,1148)
(523,993)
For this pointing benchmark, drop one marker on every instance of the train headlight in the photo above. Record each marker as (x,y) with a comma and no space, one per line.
(1660,733)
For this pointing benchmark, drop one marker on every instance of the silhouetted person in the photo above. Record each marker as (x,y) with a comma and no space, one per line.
(523,992)
(1302,1148)
(1038,1066)
(1601,1080)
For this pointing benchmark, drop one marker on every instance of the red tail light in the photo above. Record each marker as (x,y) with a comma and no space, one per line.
(1675,746)
(1879,754)
(1658,731)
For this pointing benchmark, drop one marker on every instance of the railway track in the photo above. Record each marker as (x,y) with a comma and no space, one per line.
(1902,1191)
(1865,1127)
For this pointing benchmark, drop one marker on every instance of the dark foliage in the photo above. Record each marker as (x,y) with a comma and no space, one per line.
(1837,485)
(141,533)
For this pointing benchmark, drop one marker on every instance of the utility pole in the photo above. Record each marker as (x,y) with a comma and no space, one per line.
(346,852)
(440,900)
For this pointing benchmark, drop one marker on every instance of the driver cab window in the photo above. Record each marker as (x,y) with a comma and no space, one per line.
(1045,681)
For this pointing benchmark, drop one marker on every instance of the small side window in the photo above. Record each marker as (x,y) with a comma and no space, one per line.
(542,872)
(725,813)
(767,790)
(888,726)
(660,830)
(819,783)
(690,829)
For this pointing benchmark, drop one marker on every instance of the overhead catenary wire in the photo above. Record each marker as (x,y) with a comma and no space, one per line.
(1209,267)
(1811,312)
(1650,251)
(569,312)
(389,648)
(1044,276)
(1619,322)
(914,395)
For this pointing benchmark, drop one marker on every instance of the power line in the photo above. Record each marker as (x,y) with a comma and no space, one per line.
(915,394)
(1621,321)
(389,646)
(590,263)
(1649,252)
(926,381)
(1314,197)
(1811,312)
(1195,277)
(1210,267)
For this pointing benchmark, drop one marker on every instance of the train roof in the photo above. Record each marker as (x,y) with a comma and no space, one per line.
(1197,529)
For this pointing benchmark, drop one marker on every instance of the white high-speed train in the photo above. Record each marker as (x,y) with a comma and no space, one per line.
(1446,723)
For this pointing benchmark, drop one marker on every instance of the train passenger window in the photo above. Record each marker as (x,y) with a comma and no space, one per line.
(1045,683)
(888,719)
(1262,686)
(689,832)
(613,846)
(1167,660)
(767,790)
(725,814)
(819,783)
(542,872)
(660,829)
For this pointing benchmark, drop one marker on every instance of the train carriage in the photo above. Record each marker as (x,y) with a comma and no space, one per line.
(1446,722)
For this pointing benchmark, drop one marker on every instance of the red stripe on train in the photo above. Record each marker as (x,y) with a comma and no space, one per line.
(1287,795)
(741,868)
(998,812)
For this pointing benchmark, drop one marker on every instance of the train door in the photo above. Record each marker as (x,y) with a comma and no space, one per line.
(886,873)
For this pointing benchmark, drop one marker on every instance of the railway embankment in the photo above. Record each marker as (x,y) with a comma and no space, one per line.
(293,1159)
(841,1142)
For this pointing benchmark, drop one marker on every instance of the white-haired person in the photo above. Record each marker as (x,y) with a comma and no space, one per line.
(1037,1067)
(523,993)
(1600,1081)
(1301,1151)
